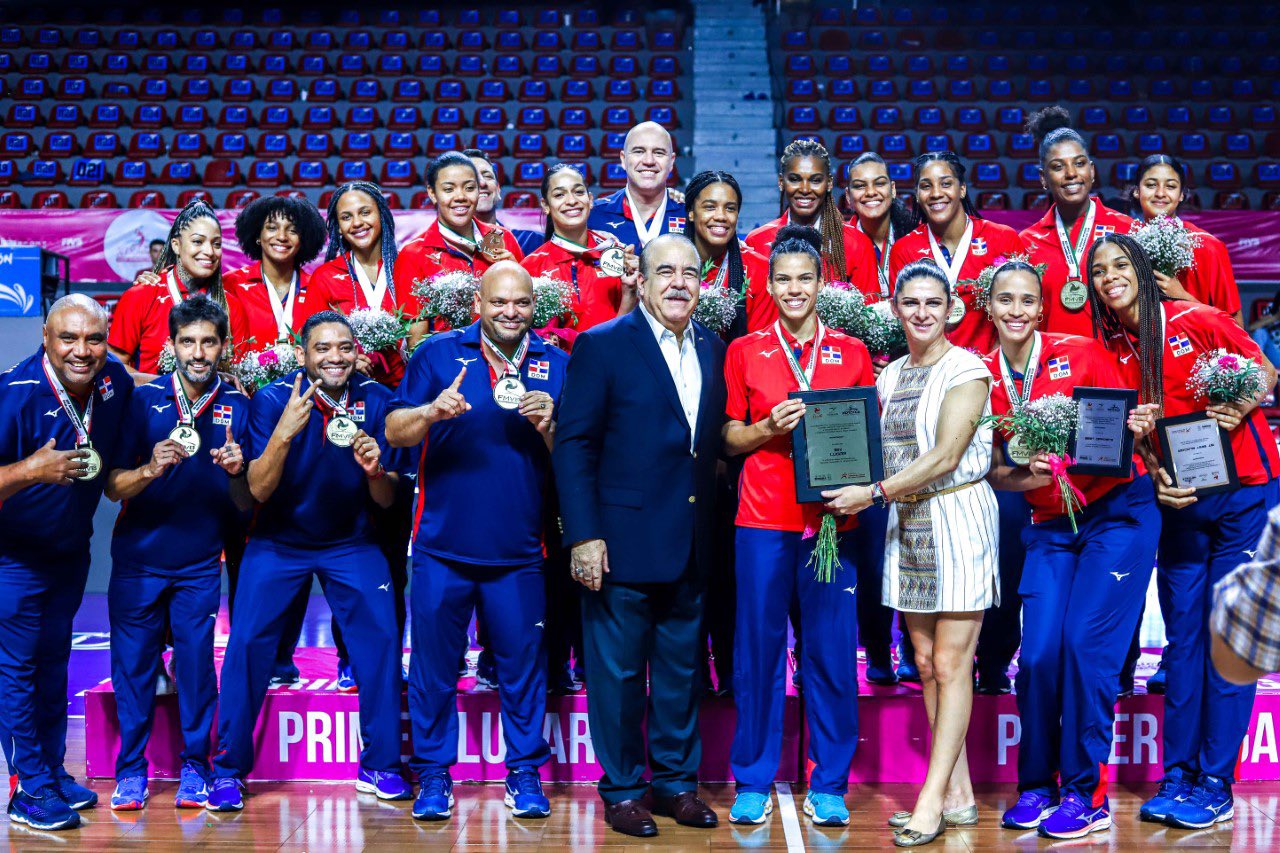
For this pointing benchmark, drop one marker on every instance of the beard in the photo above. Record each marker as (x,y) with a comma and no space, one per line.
(187,373)
(501,335)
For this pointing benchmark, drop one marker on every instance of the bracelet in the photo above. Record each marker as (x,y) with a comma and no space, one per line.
(378,475)
(878,497)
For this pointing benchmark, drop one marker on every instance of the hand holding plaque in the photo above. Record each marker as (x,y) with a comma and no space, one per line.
(837,441)
(1196,452)
(1102,443)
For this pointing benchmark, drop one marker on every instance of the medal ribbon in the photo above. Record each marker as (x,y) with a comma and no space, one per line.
(467,244)
(174,285)
(374,292)
(584,251)
(188,411)
(803,377)
(646,231)
(952,269)
(882,268)
(80,424)
(1071,253)
(511,366)
(282,312)
(336,407)
(1018,399)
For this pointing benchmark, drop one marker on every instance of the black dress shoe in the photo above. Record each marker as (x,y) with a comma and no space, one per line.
(687,809)
(630,817)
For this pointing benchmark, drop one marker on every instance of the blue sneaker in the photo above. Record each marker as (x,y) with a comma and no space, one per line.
(193,788)
(487,670)
(130,794)
(1208,803)
(225,795)
(285,674)
(74,794)
(42,810)
(1075,818)
(385,785)
(1157,682)
(750,807)
(881,673)
(346,679)
(1030,810)
(435,797)
(826,809)
(907,672)
(1174,788)
(524,794)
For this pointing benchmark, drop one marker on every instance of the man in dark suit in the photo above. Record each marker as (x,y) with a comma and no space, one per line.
(635,461)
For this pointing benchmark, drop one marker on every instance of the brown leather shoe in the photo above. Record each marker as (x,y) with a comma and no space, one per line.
(687,809)
(630,817)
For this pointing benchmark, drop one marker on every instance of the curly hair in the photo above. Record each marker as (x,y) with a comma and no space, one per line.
(304,216)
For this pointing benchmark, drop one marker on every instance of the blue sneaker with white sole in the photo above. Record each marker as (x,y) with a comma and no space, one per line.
(1030,810)
(346,678)
(1209,802)
(74,794)
(750,807)
(435,797)
(193,788)
(1076,818)
(826,809)
(43,809)
(225,795)
(524,794)
(1174,788)
(130,794)
(383,785)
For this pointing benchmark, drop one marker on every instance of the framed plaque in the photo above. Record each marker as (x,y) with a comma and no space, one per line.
(1196,451)
(837,442)
(1102,443)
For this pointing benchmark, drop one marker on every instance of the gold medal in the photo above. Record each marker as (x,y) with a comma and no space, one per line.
(186,437)
(91,460)
(613,262)
(341,431)
(957,311)
(507,392)
(1074,295)
(1018,451)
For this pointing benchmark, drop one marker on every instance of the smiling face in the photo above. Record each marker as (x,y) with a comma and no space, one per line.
(648,156)
(670,280)
(330,356)
(75,339)
(805,183)
(715,216)
(794,284)
(1016,306)
(871,192)
(280,240)
(1160,191)
(568,201)
(455,195)
(1114,278)
(1067,173)
(199,247)
(921,302)
(489,192)
(359,221)
(939,193)
(505,303)
(197,349)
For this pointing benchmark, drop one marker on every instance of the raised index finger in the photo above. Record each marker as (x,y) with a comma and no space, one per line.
(457,381)
(230,438)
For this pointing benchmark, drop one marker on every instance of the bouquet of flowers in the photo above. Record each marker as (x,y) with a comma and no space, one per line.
(377,330)
(840,306)
(259,369)
(1044,425)
(881,331)
(1224,377)
(1169,245)
(552,298)
(717,306)
(982,284)
(167,361)
(450,296)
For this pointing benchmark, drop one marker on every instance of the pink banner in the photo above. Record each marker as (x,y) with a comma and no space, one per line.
(112,245)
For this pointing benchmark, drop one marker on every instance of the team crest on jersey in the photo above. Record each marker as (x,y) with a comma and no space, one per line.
(539,370)
(978,246)
(104,388)
(221,414)
(1180,345)
(1060,367)
(830,355)
(675,224)
(357,411)
(1101,230)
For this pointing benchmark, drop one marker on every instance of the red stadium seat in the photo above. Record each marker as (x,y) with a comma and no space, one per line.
(1123,174)
(150,117)
(196,89)
(59,145)
(66,116)
(509,66)
(577,91)
(50,200)
(989,175)
(102,144)
(278,65)
(400,145)
(24,116)
(882,91)
(447,118)
(421,201)
(234,117)
(530,145)
(399,173)
(492,144)
(8,173)
(451,92)
(533,118)
(177,172)
(241,198)
(574,146)
(73,89)
(191,117)
(99,198)
(489,118)
(1149,143)
(221,173)
(1036,201)
(319,118)
(353,170)
(230,145)
(886,118)
(1108,146)
(802,118)
(276,118)
(969,119)
(10,200)
(576,120)
(322,90)
(267,174)
(611,144)
(895,146)
(850,146)
(316,146)
(366,91)
(44,173)
(189,145)
(1191,145)
(154,89)
(438,143)
(273,145)
(405,119)
(994,201)
(358,144)
(283,90)
(146,144)
(311,173)
(1020,146)
(1266,176)
(132,173)
(493,92)
(1222,175)
(1230,200)
(149,199)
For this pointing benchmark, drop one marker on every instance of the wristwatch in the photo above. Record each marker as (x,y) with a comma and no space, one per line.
(878,497)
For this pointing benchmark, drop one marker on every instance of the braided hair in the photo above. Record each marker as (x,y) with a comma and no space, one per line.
(1148,163)
(832,222)
(1107,325)
(195,209)
(546,187)
(957,169)
(1051,126)
(797,240)
(902,219)
(736,277)
(388,223)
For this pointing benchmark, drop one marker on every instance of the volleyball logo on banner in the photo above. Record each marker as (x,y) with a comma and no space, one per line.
(126,245)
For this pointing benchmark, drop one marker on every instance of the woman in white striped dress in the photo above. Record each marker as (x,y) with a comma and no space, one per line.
(941,563)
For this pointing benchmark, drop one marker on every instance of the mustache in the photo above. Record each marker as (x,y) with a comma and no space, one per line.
(682,294)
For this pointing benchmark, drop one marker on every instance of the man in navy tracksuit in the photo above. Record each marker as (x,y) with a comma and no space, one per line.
(61,413)
(316,437)
(183,488)
(483,398)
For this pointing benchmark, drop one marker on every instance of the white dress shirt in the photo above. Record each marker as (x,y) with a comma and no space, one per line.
(682,362)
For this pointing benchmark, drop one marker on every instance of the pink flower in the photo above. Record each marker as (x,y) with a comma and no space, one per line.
(1229,362)
(268,357)
(841,285)
(1000,260)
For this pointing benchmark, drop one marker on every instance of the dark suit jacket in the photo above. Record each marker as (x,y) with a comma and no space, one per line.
(622,461)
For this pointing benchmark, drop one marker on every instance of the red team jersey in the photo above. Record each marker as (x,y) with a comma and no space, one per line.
(761,309)
(989,241)
(1066,362)
(1042,243)
(252,296)
(1211,280)
(1189,331)
(429,254)
(596,296)
(140,322)
(758,377)
(859,255)
(333,288)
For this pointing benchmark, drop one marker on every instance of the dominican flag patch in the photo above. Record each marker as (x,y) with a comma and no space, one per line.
(1180,345)
(1101,230)
(830,355)
(221,414)
(104,388)
(675,224)
(1060,367)
(357,411)
(539,369)
(978,246)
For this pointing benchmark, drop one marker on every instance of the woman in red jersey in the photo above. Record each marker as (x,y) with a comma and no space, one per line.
(1160,190)
(455,241)
(877,211)
(807,186)
(713,200)
(602,272)
(958,240)
(1062,238)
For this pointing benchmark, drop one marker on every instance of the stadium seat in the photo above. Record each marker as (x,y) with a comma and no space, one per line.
(438,143)
(99,199)
(407,91)
(574,146)
(24,116)
(1220,117)
(154,89)
(804,118)
(1149,143)
(398,173)
(81,63)
(509,66)
(1178,118)
(492,144)
(1094,118)
(316,146)
(8,172)
(450,92)
(530,145)
(1010,119)
(994,201)
(611,144)
(153,199)
(72,116)
(494,92)
(323,90)
(969,119)
(421,201)
(1263,117)
(190,117)
(469,65)
(1230,200)
(353,170)
(447,118)
(311,173)
(533,92)
(276,118)
(529,173)
(358,143)
(87,172)
(132,173)
(273,146)
(850,145)
(146,144)
(405,119)
(267,174)
(1021,145)
(921,90)
(1107,145)
(44,173)
(177,172)
(882,91)
(1028,176)
(574,119)
(895,146)
(550,66)
(221,173)
(230,145)
(886,118)
(936,142)
(401,145)
(430,65)
(238,199)
(243,90)
(1266,176)
(618,118)
(319,118)
(279,91)
(978,145)
(961,90)
(189,145)
(1239,145)
(1222,175)
(361,118)
(1124,174)
(102,144)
